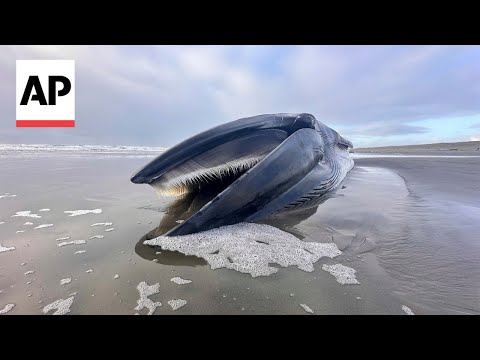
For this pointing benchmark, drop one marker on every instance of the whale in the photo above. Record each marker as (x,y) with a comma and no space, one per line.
(251,169)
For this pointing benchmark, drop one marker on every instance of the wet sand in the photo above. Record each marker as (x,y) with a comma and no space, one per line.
(406,225)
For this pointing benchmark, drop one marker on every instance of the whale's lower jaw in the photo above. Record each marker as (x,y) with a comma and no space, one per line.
(313,189)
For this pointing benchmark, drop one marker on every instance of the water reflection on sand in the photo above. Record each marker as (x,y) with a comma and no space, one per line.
(413,243)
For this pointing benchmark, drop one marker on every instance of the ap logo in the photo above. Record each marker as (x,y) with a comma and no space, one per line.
(45,93)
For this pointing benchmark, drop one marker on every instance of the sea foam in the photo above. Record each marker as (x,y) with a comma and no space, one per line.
(249,248)
(343,274)
(82,212)
(178,280)
(177,303)
(102,224)
(43,226)
(27,214)
(73,242)
(63,238)
(61,306)
(306,308)
(145,291)
(7,308)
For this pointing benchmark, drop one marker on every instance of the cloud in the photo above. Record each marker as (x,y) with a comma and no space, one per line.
(158,95)
(475,126)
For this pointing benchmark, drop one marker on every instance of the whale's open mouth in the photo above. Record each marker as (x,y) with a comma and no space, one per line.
(252,168)
(219,165)
(219,153)
(179,182)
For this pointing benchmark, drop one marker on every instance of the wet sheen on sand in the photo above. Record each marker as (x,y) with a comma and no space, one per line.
(409,236)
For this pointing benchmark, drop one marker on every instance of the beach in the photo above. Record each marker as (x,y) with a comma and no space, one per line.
(407,224)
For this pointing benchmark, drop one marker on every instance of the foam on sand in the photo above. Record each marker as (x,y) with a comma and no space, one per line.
(82,212)
(7,195)
(43,210)
(249,248)
(80,252)
(89,271)
(407,310)
(97,237)
(2,222)
(61,306)
(63,238)
(65,281)
(177,303)
(110,229)
(102,224)
(28,223)
(43,226)
(27,214)
(29,272)
(116,276)
(145,291)
(7,308)
(343,274)
(20,231)
(178,280)
(73,242)
(306,308)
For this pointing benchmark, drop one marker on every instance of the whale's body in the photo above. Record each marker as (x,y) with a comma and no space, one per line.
(264,165)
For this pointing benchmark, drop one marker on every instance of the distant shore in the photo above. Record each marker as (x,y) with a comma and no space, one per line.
(466,146)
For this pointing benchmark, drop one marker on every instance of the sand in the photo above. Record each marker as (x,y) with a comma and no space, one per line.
(407,226)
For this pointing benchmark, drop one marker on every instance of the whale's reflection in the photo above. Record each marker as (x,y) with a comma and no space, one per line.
(182,208)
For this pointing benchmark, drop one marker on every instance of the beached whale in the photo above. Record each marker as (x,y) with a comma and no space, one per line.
(257,167)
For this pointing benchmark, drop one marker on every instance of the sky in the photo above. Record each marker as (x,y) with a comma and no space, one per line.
(160,95)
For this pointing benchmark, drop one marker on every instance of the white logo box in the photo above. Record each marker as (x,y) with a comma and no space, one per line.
(62,114)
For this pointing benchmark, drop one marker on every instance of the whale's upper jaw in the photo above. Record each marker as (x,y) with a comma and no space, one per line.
(260,135)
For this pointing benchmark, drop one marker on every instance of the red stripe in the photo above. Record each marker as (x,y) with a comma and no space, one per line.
(45,123)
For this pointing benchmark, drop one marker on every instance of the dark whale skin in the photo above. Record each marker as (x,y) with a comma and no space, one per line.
(297,159)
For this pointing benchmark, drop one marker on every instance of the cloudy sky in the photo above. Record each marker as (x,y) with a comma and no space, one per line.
(159,95)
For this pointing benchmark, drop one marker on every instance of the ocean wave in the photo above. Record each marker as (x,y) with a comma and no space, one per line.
(79,148)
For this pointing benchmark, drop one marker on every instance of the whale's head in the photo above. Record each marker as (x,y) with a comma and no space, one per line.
(250,168)
(221,154)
